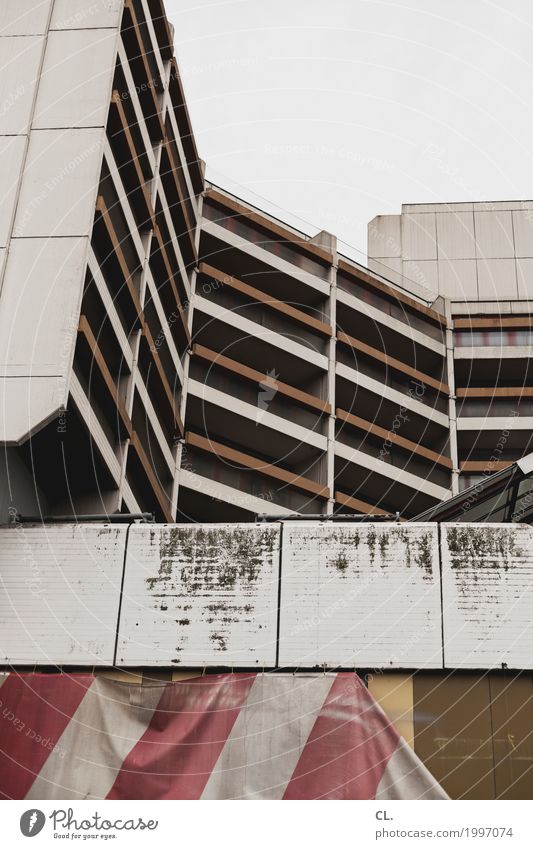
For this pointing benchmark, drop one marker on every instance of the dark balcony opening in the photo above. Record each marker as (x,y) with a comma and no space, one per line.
(414,387)
(93,308)
(375,489)
(143,68)
(251,231)
(385,450)
(390,304)
(258,353)
(400,346)
(207,467)
(260,275)
(67,466)
(389,415)
(121,87)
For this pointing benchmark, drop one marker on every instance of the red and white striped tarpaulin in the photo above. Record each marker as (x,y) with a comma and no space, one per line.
(234,736)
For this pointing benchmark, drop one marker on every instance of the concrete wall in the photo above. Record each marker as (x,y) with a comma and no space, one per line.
(54,93)
(350,595)
(464,251)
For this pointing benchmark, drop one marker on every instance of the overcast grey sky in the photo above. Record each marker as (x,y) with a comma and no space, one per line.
(339,110)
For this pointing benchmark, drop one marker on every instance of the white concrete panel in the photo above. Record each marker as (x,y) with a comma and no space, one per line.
(487,585)
(419,236)
(59,596)
(39,308)
(424,276)
(455,234)
(494,234)
(195,595)
(11,156)
(24,17)
(58,191)
(496,423)
(75,86)
(523,233)
(502,205)
(86,14)
(20,69)
(384,236)
(360,595)
(524,277)
(458,278)
(437,207)
(28,403)
(388,267)
(494,352)
(497,278)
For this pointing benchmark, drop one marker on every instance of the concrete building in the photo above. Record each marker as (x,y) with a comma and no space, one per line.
(477,257)
(167,347)
(99,242)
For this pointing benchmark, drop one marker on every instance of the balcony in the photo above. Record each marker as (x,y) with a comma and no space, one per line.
(257,229)
(144,70)
(233,462)
(120,277)
(256,346)
(129,164)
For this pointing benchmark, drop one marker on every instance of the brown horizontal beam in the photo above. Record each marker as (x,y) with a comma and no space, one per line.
(102,210)
(85,330)
(494,391)
(491,322)
(391,362)
(361,276)
(302,398)
(157,489)
(357,504)
(116,103)
(249,462)
(486,466)
(269,301)
(271,227)
(395,438)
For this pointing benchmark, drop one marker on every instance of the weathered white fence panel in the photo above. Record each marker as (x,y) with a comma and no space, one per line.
(198,595)
(59,593)
(487,586)
(365,595)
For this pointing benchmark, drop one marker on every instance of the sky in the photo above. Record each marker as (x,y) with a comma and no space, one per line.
(329,112)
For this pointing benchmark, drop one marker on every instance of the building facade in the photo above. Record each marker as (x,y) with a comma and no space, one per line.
(478,257)
(167,347)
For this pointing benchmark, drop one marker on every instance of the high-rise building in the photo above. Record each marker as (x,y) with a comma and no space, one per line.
(99,245)
(168,347)
(478,258)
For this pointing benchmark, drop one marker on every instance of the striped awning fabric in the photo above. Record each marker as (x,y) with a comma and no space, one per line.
(229,736)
